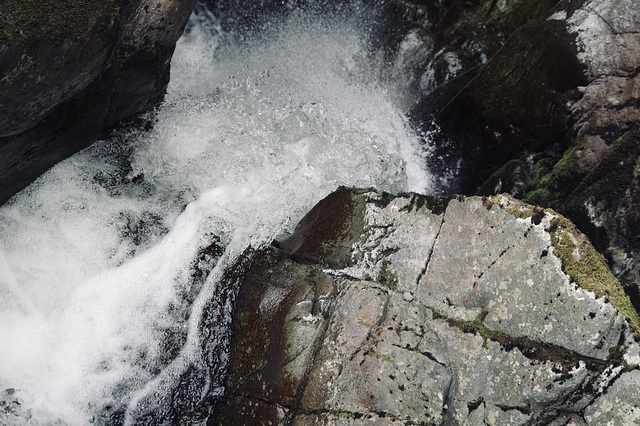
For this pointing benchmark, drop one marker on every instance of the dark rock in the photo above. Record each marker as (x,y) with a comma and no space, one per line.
(517,104)
(72,71)
(444,53)
(606,205)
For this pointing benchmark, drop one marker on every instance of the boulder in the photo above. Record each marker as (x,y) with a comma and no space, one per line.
(72,70)
(551,116)
(412,310)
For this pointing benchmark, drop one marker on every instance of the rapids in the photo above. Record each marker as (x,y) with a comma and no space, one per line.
(97,255)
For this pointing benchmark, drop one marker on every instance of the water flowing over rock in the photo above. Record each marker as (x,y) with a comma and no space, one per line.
(72,70)
(378,308)
(411,310)
(445,51)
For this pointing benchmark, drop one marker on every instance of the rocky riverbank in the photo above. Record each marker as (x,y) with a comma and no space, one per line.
(397,309)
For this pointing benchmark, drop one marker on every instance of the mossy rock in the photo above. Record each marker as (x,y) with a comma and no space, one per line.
(589,269)
(33,23)
(509,178)
(549,189)
(586,267)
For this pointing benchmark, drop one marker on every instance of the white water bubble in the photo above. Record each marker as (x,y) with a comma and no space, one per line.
(97,257)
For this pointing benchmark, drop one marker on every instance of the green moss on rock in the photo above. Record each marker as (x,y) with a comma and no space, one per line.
(387,277)
(33,23)
(548,189)
(588,269)
(505,179)
(580,260)
(566,359)
(436,205)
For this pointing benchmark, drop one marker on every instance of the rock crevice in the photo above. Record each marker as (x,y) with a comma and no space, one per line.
(494,332)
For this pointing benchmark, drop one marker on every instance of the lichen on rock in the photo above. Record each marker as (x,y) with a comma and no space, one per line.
(486,320)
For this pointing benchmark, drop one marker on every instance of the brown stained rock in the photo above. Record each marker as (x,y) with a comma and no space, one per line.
(259,332)
(490,330)
(588,154)
(327,232)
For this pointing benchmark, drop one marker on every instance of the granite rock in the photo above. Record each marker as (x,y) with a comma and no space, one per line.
(460,311)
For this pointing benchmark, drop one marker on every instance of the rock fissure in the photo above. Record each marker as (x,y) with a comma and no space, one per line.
(425,268)
(502,253)
(317,347)
(421,352)
(526,409)
(607,23)
(355,415)
(472,406)
(532,349)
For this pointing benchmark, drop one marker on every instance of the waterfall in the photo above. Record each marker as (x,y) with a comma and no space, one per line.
(108,260)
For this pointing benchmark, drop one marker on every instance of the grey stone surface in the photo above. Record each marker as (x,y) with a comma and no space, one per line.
(494,332)
(607,36)
(620,405)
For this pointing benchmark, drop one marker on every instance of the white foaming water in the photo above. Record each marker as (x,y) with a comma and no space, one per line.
(96,257)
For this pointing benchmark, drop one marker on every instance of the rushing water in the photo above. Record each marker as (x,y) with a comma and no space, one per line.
(97,256)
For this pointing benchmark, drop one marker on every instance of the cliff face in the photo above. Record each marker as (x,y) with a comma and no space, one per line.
(72,70)
(406,310)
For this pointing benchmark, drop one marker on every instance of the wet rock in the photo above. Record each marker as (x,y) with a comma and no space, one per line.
(12,412)
(72,70)
(517,103)
(446,43)
(510,320)
(445,48)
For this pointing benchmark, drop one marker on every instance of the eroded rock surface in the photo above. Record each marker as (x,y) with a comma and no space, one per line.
(408,310)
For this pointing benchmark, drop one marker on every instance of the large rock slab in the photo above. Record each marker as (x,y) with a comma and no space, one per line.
(551,116)
(71,70)
(411,310)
